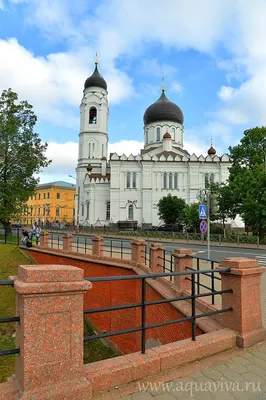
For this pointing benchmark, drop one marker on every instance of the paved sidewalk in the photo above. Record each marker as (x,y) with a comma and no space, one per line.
(236,374)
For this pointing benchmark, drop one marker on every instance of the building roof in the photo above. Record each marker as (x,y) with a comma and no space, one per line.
(163,110)
(61,184)
(95,79)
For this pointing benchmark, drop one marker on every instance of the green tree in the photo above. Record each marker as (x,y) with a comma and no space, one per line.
(227,203)
(171,209)
(192,216)
(247,178)
(22,155)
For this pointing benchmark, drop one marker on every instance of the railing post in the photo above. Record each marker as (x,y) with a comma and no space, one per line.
(244,279)
(50,332)
(67,242)
(44,239)
(181,262)
(156,258)
(138,249)
(97,246)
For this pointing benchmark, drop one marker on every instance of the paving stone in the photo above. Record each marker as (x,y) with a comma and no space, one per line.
(212,374)
(255,369)
(241,360)
(259,354)
(249,376)
(232,376)
(236,367)
(223,395)
(165,396)
(259,362)
(126,398)
(142,396)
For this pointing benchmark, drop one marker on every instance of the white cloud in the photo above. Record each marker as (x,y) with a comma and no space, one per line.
(54,82)
(176,87)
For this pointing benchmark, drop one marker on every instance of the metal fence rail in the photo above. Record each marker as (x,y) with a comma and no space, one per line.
(55,241)
(81,244)
(117,247)
(211,275)
(8,320)
(144,304)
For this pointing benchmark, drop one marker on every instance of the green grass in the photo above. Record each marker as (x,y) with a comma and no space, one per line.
(95,350)
(10,258)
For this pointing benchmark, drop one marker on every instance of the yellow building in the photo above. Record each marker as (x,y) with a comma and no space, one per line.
(52,203)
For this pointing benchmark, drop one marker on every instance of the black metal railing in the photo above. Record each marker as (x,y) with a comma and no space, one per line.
(210,274)
(82,244)
(147,255)
(8,320)
(55,241)
(119,248)
(144,304)
(168,262)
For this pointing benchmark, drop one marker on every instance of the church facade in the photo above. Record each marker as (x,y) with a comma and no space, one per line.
(127,188)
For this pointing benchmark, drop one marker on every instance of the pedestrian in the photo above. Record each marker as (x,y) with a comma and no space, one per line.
(25,236)
(37,231)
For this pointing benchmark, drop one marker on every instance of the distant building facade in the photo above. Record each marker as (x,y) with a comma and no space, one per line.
(129,188)
(52,202)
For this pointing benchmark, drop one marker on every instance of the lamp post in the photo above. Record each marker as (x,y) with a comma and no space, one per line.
(78,200)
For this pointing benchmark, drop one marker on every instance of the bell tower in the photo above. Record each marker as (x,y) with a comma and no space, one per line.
(94,111)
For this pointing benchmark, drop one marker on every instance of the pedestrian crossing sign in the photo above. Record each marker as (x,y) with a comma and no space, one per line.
(203,212)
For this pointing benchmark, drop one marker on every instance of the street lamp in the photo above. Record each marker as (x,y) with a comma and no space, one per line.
(78,200)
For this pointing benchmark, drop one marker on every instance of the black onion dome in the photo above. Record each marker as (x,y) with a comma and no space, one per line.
(95,79)
(163,110)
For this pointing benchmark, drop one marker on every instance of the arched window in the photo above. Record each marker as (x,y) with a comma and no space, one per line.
(212,178)
(93,149)
(89,150)
(170,180)
(175,180)
(108,210)
(173,132)
(165,180)
(88,210)
(128,180)
(134,180)
(146,136)
(93,115)
(206,180)
(158,134)
(102,150)
(130,211)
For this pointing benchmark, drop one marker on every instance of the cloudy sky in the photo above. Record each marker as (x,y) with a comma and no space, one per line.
(212,54)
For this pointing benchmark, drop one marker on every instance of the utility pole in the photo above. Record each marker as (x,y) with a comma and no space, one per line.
(78,207)
(208,224)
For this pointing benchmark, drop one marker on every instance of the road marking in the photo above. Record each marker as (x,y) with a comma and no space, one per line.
(261,260)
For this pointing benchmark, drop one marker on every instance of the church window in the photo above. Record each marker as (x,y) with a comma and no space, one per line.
(175,180)
(93,115)
(93,148)
(170,180)
(173,133)
(102,150)
(82,209)
(88,210)
(89,150)
(212,178)
(128,180)
(108,210)
(165,180)
(158,134)
(146,136)
(206,180)
(57,212)
(134,180)
(130,211)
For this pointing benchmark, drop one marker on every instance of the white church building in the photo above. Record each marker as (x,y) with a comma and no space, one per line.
(129,188)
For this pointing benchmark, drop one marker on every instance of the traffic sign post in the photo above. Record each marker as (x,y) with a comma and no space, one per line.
(203,227)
